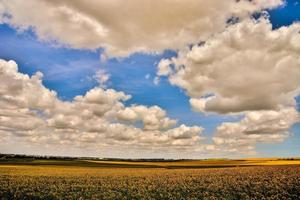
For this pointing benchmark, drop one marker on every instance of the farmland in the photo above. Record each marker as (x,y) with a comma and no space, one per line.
(206,179)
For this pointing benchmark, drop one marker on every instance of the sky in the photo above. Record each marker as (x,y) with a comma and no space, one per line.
(151,79)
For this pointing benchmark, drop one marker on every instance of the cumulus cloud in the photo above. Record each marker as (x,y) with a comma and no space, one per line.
(153,118)
(13,85)
(256,127)
(250,70)
(126,27)
(164,68)
(31,113)
(247,67)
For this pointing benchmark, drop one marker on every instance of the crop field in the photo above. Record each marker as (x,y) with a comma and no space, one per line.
(211,179)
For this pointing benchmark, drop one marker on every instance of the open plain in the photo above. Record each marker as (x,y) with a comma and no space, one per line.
(203,179)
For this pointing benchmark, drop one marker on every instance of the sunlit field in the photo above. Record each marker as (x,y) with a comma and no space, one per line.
(208,179)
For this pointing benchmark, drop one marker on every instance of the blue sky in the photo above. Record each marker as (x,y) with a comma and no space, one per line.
(68,72)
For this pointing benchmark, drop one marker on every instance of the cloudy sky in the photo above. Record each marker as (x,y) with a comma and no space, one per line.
(163,79)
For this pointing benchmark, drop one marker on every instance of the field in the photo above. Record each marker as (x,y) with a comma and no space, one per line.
(206,179)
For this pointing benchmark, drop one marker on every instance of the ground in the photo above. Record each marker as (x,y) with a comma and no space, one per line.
(206,179)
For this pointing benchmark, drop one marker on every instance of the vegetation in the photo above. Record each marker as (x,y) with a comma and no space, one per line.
(86,179)
(11,159)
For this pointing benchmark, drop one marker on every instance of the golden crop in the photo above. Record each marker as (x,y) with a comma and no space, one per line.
(67,182)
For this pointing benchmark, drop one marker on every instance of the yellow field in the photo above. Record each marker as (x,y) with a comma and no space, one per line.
(206,163)
(71,182)
(209,163)
(206,179)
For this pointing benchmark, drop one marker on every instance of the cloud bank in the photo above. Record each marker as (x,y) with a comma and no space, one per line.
(249,70)
(256,127)
(123,28)
(249,66)
(32,113)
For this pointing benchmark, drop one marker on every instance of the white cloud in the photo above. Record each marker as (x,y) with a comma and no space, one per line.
(256,127)
(101,76)
(126,27)
(247,67)
(31,113)
(198,105)
(13,86)
(153,118)
(164,68)
(250,70)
